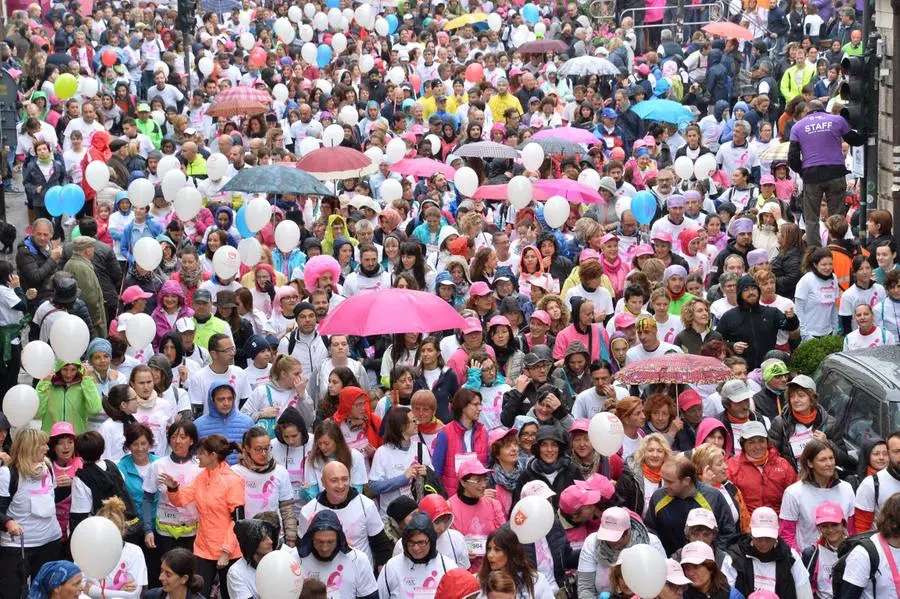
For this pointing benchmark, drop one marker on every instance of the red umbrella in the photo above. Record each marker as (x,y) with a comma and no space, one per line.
(329,164)
(681,369)
(574,191)
(391,311)
(422,167)
(492,192)
(543,46)
(729,30)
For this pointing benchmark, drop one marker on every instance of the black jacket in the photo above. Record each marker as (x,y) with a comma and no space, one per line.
(719,263)
(565,476)
(564,557)
(518,404)
(787,271)
(768,403)
(33,178)
(666,516)
(784,425)
(35,268)
(741,552)
(444,389)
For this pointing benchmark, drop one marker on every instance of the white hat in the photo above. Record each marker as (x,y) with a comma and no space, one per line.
(675,574)
(537,488)
(613,524)
(753,429)
(697,553)
(700,516)
(184,324)
(764,523)
(735,391)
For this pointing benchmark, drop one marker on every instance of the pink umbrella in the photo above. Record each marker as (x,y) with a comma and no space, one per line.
(571,134)
(389,311)
(567,188)
(491,192)
(327,164)
(422,167)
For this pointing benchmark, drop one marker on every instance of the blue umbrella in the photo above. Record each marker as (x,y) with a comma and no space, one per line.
(664,111)
(220,7)
(278,179)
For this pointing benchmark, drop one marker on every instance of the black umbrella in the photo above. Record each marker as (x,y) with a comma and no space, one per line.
(276,179)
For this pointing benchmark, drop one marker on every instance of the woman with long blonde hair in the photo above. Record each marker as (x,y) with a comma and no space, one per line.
(646,463)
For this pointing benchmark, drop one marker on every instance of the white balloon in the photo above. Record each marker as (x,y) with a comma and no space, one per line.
(494,21)
(159,117)
(531,519)
(348,14)
(435,143)
(532,156)
(623,204)
(147,253)
(97,174)
(244,18)
(279,576)
(216,166)
(140,330)
(684,167)
(38,359)
(530,36)
(366,63)
(396,75)
(308,53)
(375,154)
(226,264)
(308,144)
(556,211)
(141,192)
(324,85)
(348,115)
(590,177)
(96,546)
(206,66)
(381,26)
(466,181)
(704,166)
(320,21)
(606,433)
(161,66)
(309,9)
(332,136)
(172,183)
(306,32)
(88,87)
(520,191)
(20,404)
(391,190)
(247,41)
(363,16)
(335,18)
(280,91)
(287,236)
(69,336)
(644,570)
(259,211)
(540,28)
(295,13)
(166,164)
(396,150)
(339,42)
(284,29)
(188,202)
(250,251)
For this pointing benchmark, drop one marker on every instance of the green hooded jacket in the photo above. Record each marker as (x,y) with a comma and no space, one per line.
(72,403)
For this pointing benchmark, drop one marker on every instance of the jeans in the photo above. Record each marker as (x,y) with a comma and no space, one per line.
(833,192)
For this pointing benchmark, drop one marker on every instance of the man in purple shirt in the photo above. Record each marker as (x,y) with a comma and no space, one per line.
(815,153)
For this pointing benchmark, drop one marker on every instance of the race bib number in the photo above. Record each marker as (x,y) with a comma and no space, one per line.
(799,441)
(477,545)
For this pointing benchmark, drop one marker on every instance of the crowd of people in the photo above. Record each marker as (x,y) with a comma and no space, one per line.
(390,465)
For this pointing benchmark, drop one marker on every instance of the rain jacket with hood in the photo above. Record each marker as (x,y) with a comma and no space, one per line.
(250,533)
(347,396)
(117,222)
(403,573)
(761,485)
(785,424)
(744,557)
(596,341)
(232,426)
(754,324)
(560,266)
(33,177)
(133,232)
(98,149)
(74,402)
(462,287)
(328,241)
(159,316)
(559,475)
(230,230)
(718,79)
(706,428)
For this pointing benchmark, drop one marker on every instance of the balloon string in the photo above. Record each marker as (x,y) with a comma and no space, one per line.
(103,589)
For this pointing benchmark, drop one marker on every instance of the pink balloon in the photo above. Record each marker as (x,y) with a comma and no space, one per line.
(474,73)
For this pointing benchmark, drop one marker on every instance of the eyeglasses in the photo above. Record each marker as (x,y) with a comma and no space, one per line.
(531,436)
(227,350)
(418,543)
(261,450)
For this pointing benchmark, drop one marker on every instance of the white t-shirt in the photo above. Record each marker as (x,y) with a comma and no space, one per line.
(33,507)
(816,302)
(256,376)
(799,505)
(166,513)
(263,491)
(858,569)
(401,578)
(242,580)
(783,304)
(358,473)
(764,574)
(587,561)
(391,461)
(720,307)
(359,519)
(346,576)
(202,381)
(877,338)
(113,435)
(600,298)
(854,296)
(131,567)
(865,494)
(8,299)
(638,352)
(668,330)
(157,419)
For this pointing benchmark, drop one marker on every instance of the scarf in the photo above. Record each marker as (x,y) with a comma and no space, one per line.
(47,160)
(432,427)
(542,467)
(148,403)
(654,476)
(591,467)
(190,279)
(607,556)
(871,471)
(805,419)
(761,461)
(738,420)
(677,296)
(249,464)
(140,277)
(505,479)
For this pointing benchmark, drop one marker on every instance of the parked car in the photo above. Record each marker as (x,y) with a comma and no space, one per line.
(861,389)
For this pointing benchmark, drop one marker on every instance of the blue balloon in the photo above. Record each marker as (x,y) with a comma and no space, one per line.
(643,207)
(53,200)
(323,56)
(333,3)
(530,13)
(393,23)
(72,199)
(240,221)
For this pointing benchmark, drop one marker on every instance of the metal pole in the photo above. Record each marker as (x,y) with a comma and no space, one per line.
(895,109)
(188,52)
(870,157)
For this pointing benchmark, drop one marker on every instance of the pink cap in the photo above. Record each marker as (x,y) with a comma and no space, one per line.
(499,320)
(473,325)
(767,180)
(417,130)
(643,69)
(697,553)
(613,524)
(479,289)
(537,488)
(763,594)
(644,249)
(580,424)
(764,523)
(588,254)
(661,236)
(688,399)
(675,574)
(498,434)
(575,497)
(134,293)
(700,516)
(624,320)
(617,153)
(598,482)
(62,428)
(829,512)
(470,468)
(542,316)
(608,237)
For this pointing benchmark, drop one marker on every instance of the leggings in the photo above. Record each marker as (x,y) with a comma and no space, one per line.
(208,569)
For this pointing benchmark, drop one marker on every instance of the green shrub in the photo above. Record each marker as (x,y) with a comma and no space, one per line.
(809,354)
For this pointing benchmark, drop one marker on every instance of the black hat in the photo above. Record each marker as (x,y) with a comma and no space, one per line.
(65,291)
(300,307)
(117,144)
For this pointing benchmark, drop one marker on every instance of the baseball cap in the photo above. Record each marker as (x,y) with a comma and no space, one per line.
(804,382)
(735,391)
(537,488)
(688,399)
(613,524)
(777,368)
(760,594)
(143,107)
(498,320)
(767,180)
(255,345)
(575,497)
(663,236)
(203,295)
(473,325)
(598,482)
(479,289)
(458,584)
(623,320)
(190,131)
(542,316)
(588,254)
(61,428)
(764,523)
(608,236)
(580,424)
(608,113)
(829,512)
(532,359)
(675,573)
(754,429)
(185,324)
(133,294)
(700,516)
(471,468)
(499,433)
(697,553)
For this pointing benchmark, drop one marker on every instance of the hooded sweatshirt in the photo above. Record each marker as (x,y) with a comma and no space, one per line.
(347,573)
(166,322)
(242,574)
(403,573)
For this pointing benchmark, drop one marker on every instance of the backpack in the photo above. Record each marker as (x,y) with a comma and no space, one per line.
(430,483)
(861,540)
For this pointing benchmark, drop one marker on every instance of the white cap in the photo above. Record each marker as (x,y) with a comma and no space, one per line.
(184,324)
(613,524)
(697,553)
(675,574)
(764,523)
(537,488)
(122,321)
(700,516)
(753,429)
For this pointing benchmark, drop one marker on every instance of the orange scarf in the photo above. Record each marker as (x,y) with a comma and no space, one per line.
(734,420)
(654,476)
(760,462)
(870,471)
(805,419)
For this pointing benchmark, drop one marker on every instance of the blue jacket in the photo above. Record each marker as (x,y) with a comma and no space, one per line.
(232,426)
(718,79)
(134,483)
(130,235)
(287,264)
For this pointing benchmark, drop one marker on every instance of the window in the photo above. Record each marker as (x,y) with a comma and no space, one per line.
(834,394)
(865,418)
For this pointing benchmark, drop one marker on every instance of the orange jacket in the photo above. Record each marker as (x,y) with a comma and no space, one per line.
(216,493)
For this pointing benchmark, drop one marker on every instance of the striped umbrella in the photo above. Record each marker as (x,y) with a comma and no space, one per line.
(240,101)
(682,369)
(330,164)
(487,149)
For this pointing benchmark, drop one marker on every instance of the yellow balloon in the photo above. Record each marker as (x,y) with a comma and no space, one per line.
(65,86)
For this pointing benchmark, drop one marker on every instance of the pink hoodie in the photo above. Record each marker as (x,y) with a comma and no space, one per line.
(477,520)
